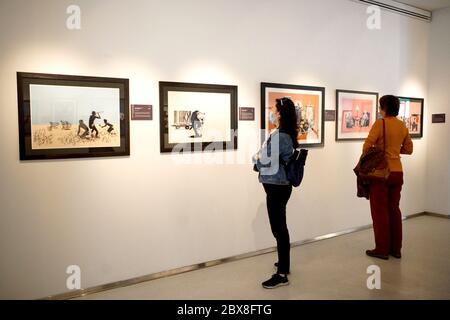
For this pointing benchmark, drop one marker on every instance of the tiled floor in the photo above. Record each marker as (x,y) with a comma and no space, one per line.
(328,269)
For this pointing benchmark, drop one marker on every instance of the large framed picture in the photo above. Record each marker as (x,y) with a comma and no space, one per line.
(310,106)
(411,113)
(356,112)
(63,116)
(197,117)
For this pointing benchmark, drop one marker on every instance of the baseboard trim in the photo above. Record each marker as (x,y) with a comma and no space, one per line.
(414,215)
(129,282)
(438,215)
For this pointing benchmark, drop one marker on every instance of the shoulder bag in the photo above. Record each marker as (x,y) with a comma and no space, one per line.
(373,164)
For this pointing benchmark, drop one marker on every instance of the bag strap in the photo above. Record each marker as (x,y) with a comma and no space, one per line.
(384,137)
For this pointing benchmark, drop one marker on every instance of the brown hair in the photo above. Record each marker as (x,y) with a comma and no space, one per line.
(390,104)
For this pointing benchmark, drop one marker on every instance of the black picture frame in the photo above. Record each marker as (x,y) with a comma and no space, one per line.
(319,90)
(422,103)
(338,109)
(24,82)
(167,86)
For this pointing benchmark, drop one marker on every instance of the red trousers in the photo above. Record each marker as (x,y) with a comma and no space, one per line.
(386,214)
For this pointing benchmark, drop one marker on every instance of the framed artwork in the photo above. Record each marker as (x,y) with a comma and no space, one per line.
(411,113)
(197,117)
(63,116)
(356,112)
(310,106)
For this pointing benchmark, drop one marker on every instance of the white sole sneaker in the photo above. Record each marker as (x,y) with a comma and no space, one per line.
(278,285)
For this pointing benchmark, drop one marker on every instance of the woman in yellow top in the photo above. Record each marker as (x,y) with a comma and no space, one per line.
(385,196)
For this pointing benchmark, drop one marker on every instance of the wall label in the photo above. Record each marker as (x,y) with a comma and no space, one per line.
(246,114)
(438,118)
(330,115)
(141,112)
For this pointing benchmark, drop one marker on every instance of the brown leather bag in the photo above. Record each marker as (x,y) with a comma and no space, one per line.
(372,164)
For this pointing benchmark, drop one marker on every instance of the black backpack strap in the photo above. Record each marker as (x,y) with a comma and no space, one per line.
(282,162)
(285,163)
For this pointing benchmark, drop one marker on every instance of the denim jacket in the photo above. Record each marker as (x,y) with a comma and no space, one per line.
(271,171)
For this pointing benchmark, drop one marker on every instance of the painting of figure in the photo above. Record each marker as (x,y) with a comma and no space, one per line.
(411,110)
(356,113)
(64,116)
(197,116)
(309,104)
(73,105)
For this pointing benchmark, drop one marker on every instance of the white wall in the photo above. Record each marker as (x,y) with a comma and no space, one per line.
(438,152)
(119,218)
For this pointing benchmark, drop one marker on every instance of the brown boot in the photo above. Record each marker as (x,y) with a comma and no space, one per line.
(396,255)
(373,253)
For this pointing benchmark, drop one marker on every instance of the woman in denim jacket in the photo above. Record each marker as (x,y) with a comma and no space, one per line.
(269,161)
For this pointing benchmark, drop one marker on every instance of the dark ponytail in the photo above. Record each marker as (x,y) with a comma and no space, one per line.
(288,119)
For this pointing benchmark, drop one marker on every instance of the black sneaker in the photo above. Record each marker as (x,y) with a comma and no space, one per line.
(276,266)
(276,281)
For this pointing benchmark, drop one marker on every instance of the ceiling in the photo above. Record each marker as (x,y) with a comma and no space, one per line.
(428,5)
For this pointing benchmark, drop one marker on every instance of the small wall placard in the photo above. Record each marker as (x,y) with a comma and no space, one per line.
(330,115)
(438,118)
(246,114)
(141,112)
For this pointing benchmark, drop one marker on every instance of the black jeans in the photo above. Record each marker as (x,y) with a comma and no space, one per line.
(277,197)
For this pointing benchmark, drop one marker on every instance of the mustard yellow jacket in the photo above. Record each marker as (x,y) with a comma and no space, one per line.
(398,141)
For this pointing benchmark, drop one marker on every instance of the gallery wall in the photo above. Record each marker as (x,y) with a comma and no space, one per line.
(438,152)
(119,218)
